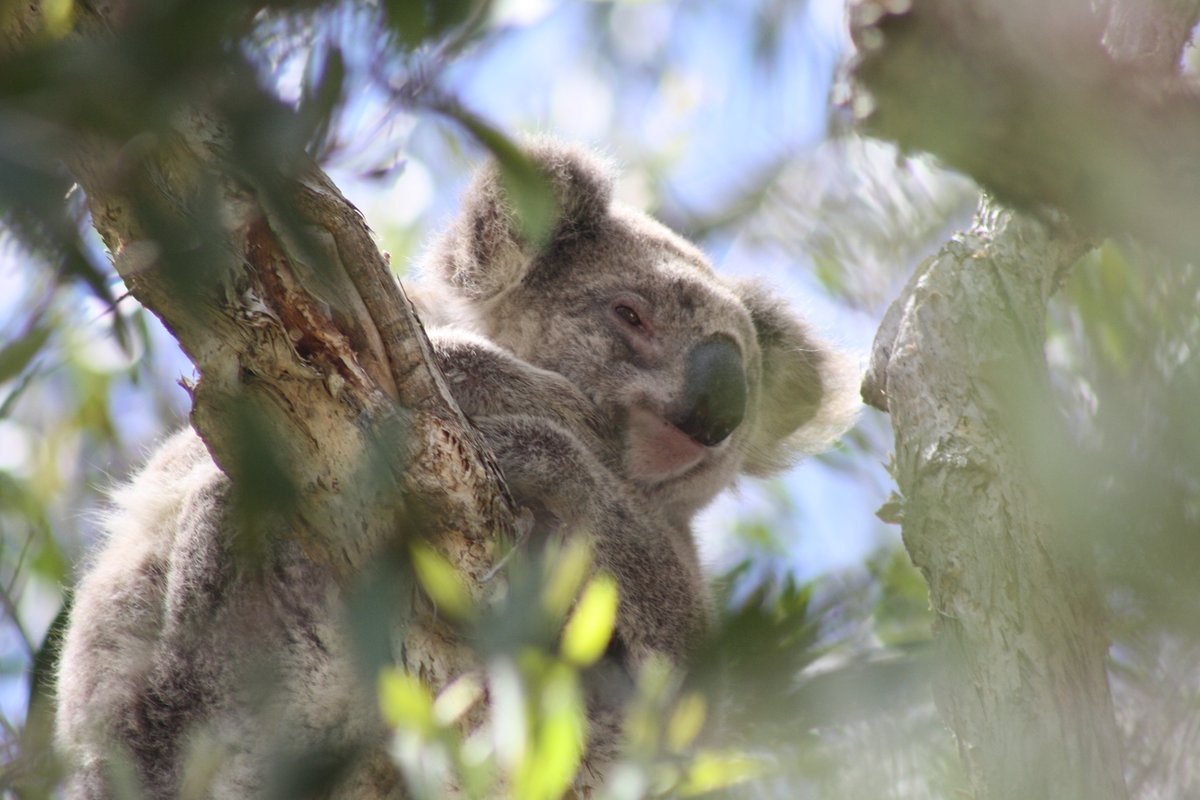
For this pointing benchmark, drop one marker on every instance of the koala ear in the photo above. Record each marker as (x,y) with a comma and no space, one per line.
(486,253)
(809,390)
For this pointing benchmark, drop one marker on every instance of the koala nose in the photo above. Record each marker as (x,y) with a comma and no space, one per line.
(714,392)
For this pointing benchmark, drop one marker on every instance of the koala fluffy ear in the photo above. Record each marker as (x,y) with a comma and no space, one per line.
(485,252)
(809,390)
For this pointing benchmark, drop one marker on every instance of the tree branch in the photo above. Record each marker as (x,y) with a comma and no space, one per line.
(1025,99)
(318,395)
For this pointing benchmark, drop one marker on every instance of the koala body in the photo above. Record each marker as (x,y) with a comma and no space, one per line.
(621,383)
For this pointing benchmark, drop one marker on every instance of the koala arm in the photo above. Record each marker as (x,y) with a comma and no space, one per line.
(663,605)
(488,381)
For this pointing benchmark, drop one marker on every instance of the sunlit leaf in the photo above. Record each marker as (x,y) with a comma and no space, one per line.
(510,727)
(59,16)
(711,771)
(457,699)
(405,701)
(569,570)
(546,773)
(441,581)
(686,721)
(591,625)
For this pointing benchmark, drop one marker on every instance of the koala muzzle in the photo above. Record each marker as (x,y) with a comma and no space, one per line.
(714,386)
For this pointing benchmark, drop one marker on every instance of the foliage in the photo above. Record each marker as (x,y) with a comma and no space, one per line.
(807,688)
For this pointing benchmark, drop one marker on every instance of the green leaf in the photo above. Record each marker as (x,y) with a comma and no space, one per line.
(416,21)
(711,771)
(591,625)
(570,568)
(15,357)
(409,19)
(58,16)
(686,721)
(322,93)
(902,614)
(405,701)
(527,187)
(441,582)
(547,770)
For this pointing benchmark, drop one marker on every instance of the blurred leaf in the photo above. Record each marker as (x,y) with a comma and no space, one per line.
(457,699)
(590,627)
(686,721)
(864,688)
(59,16)
(569,569)
(15,356)
(321,95)
(510,714)
(416,21)
(45,661)
(263,490)
(902,613)
(547,770)
(405,701)
(710,771)
(441,582)
(10,400)
(17,496)
(381,596)
(409,19)
(528,188)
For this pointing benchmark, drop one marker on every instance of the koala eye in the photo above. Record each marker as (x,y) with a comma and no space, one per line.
(628,315)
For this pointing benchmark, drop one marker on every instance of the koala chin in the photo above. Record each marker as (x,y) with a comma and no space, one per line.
(620,382)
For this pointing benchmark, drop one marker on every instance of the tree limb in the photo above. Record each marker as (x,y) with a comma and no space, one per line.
(312,363)
(1024,98)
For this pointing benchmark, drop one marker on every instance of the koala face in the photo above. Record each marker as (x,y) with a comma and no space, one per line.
(637,320)
(695,378)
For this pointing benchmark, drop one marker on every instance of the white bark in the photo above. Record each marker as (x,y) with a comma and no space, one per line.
(1049,106)
(1019,626)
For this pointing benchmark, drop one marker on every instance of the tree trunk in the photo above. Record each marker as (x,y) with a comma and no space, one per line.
(1019,626)
(1040,104)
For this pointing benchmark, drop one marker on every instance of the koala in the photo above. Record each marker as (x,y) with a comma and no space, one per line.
(667,380)
(621,383)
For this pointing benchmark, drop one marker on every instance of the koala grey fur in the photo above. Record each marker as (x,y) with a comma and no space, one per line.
(583,360)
